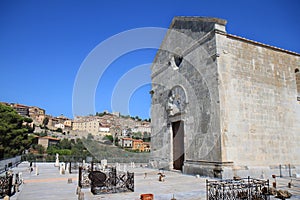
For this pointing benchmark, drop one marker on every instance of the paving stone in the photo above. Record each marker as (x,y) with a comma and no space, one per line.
(50,185)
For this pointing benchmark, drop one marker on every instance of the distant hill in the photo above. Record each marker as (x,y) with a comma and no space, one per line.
(114,154)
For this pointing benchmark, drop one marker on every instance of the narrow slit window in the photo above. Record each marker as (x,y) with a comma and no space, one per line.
(297,75)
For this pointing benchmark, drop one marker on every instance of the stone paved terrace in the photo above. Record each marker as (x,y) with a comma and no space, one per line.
(50,185)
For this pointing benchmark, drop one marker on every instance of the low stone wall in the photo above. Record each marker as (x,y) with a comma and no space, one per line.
(10,162)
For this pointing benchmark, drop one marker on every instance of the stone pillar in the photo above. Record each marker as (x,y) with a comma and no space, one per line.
(81,196)
(70,180)
(132,165)
(20,177)
(37,170)
(78,190)
(104,163)
(68,168)
(62,168)
(57,160)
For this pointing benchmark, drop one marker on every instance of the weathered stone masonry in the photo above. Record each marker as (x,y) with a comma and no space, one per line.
(232,101)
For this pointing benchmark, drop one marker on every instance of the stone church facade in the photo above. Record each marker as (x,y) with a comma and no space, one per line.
(223,105)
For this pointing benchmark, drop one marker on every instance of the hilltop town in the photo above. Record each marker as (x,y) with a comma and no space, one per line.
(127,132)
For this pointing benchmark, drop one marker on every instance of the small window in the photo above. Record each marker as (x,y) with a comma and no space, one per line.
(297,76)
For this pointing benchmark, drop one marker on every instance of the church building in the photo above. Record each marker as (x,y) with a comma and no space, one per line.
(223,105)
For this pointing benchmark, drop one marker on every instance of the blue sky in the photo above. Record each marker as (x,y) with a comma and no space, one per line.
(44,43)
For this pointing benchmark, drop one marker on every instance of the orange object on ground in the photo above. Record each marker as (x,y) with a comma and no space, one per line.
(147,196)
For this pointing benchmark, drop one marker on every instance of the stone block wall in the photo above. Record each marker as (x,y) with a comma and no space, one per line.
(260,114)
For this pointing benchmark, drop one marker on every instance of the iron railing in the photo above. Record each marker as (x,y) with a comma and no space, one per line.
(106,181)
(83,177)
(9,184)
(237,189)
(5,186)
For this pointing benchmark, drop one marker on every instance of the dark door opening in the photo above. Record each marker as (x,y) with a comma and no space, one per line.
(178,144)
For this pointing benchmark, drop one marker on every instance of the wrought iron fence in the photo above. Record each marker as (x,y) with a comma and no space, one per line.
(9,183)
(5,186)
(236,189)
(106,181)
(83,177)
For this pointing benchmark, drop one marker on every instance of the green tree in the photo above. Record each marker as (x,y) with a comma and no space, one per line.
(45,122)
(78,149)
(41,134)
(109,138)
(72,141)
(27,125)
(116,141)
(64,144)
(52,150)
(28,120)
(146,137)
(90,137)
(148,120)
(138,118)
(59,130)
(40,149)
(13,135)
(101,114)
(137,135)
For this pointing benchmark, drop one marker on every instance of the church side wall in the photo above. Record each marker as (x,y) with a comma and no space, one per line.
(260,114)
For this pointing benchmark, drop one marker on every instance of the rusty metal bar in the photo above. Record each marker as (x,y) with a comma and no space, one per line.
(80,177)
(280,172)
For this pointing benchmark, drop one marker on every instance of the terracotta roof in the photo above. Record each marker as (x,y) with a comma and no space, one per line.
(50,138)
(20,106)
(36,136)
(135,140)
(126,138)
